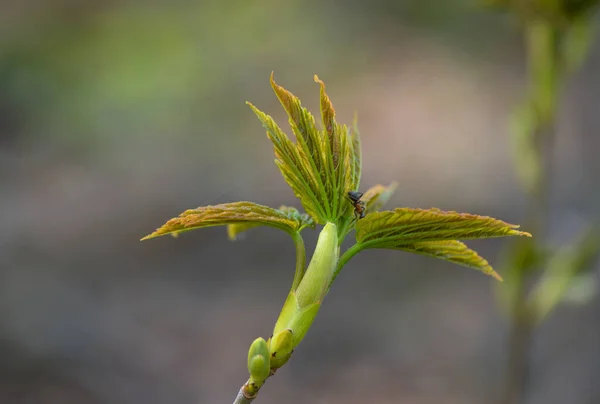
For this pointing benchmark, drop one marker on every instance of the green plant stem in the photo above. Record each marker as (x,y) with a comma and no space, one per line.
(300,259)
(346,256)
(544,79)
(519,347)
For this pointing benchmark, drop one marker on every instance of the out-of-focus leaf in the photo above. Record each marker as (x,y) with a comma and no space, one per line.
(579,8)
(575,43)
(559,13)
(495,3)
(453,251)
(377,196)
(391,229)
(234,230)
(243,213)
(567,263)
(582,289)
(322,165)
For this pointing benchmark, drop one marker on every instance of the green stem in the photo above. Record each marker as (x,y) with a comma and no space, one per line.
(543,69)
(519,347)
(300,259)
(346,256)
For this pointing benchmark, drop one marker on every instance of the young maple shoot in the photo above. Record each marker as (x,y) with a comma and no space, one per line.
(322,166)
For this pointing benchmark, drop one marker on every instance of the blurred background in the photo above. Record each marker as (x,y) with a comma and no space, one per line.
(117,115)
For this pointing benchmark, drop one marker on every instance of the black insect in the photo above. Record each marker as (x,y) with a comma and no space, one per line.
(359,206)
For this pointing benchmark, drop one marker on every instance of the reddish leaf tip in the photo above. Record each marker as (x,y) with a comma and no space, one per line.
(272,81)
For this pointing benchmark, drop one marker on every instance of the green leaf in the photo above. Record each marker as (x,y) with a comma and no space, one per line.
(431,232)
(236,213)
(453,251)
(377,196)
(322,165)
(391,229)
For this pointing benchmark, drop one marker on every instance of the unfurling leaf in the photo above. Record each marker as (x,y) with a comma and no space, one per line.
(391,229)
(453,251)
(377,196)
(322,165)
(295,170)
(236,213)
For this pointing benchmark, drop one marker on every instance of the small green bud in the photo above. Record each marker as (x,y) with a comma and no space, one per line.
(314,284)
(281,347)
(259,365)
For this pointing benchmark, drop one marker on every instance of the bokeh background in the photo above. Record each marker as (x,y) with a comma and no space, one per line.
(117,115)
